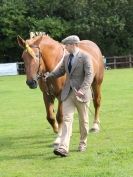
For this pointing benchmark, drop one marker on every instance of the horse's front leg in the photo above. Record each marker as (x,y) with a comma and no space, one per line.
(59,118)
(49,104)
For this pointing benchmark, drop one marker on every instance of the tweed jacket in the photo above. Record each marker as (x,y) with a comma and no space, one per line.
(80,77)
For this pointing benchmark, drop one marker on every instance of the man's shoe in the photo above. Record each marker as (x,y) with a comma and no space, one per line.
(61,152)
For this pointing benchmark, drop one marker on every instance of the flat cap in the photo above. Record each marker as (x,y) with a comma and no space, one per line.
(73,39)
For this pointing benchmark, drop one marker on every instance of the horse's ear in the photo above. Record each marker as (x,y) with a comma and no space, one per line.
(21,42)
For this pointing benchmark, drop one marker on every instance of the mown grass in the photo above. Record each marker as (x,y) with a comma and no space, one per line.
(26,137)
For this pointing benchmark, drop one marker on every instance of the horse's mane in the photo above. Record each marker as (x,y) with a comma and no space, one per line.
(37,33)
(36,37)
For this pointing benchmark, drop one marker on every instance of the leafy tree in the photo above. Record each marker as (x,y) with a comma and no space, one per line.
(56,27)
(108,23)
(12,22)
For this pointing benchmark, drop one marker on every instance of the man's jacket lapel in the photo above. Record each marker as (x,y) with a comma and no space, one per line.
(76,62)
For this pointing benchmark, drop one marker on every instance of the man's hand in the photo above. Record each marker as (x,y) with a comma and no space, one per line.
(79,95)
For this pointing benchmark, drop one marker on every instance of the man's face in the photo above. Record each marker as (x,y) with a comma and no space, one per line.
(69,48)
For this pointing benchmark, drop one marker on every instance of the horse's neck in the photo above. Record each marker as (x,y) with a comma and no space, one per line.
(52,55)
(61,58)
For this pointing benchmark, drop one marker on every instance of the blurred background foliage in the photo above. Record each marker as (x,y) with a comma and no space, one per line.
(108,23)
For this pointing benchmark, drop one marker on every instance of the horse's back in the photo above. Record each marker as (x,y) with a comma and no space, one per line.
(91,48)
(96,56)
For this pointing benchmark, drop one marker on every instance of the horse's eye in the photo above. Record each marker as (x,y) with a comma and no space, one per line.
(37,56)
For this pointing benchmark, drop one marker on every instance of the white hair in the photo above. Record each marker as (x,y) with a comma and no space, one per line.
(37,33)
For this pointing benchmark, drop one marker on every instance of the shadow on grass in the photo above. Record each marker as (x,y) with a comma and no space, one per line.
(25,147)
(6,142)
(20,157)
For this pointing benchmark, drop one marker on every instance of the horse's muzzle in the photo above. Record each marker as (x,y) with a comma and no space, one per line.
(32,84)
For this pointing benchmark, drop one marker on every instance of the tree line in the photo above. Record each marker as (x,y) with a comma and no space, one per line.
(107,23)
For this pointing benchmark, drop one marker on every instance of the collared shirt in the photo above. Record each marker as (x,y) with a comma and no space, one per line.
(75,54)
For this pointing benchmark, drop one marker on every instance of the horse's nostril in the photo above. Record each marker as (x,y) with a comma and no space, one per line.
(32,83)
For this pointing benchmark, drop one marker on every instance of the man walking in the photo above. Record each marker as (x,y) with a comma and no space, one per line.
(75,94)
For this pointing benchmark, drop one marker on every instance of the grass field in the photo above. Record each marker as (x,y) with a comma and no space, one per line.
(26,137)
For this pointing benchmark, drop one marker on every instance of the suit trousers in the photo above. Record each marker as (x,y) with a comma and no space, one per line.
(69,106)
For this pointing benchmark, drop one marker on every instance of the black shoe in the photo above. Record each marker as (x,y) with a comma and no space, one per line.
(61,152)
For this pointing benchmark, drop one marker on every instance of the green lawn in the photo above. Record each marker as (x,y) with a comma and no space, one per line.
(26,137)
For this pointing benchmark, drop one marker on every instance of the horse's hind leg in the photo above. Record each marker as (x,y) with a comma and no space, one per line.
(49,103)
(96,101)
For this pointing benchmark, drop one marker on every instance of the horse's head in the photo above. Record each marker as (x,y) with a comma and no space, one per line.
(41,54)
(32,60)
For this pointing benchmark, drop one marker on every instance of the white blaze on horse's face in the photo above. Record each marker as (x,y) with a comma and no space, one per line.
(31,66)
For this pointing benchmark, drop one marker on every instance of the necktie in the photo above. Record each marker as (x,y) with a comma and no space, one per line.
(70,62)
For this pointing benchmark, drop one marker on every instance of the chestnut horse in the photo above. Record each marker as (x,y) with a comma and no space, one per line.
(43,54)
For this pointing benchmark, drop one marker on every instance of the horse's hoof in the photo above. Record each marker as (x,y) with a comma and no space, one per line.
(93,130)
